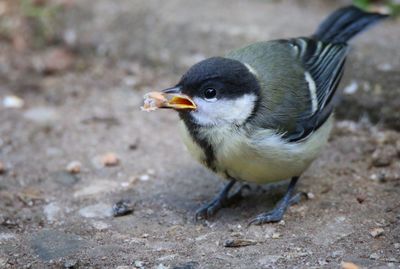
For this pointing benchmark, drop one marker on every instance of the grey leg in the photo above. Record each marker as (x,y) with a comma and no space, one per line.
(221,200)
(277,213)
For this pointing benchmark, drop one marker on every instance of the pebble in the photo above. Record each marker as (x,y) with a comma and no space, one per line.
(144,177)
(64,178)
(393,259)
(122,207)
(398,148)
(376,232)
(276,235)
(349,265)
(336,254)
(360,199)
(6,236)
(42,115)
(235,243)
(374,256)
(351,88)
(74,167)
(55,60)
(71,263)
(51,211)
(397,245)
(380,177)
(12,101)
(310,195)
(110,159)
(3,262)
(383,157)
(162,266)
(2,168)
(139,264)
(97,187)
(51,245)
(99,210)
(100,225)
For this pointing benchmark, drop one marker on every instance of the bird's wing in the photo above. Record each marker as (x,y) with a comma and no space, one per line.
(323,66)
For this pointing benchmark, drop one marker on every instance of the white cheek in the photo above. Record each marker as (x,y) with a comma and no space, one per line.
(234,111)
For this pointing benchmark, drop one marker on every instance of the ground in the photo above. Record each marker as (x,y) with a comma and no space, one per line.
(89,108)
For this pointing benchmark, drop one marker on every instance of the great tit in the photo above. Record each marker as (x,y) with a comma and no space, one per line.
(263,112)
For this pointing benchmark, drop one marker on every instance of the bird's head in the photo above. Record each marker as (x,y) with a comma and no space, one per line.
(216,91)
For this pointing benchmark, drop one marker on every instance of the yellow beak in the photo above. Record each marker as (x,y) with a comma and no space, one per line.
(178,101)
(170,98)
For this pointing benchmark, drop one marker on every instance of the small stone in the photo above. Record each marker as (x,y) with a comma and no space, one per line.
(349,265)
(3,262)
(398,148)
(336,254)
(65,178)
(374,256)
(235,243)
(46,116)
(380,177)
(383,157)
(100,225)
(360,199)
(151,172)
(2,168)
(74,167)
(310,195)
(51,211)
(122,207)
(125,184)
(6,236)
(71,263)
(97,187)
(351,88)
(276,235)
(393,259)
(51,245)
(397,245)
(188,265)
(162,266)
(110,159)
(376,232)
(139,264)
(12,101)
(55,60)
(144,177)
(99,210)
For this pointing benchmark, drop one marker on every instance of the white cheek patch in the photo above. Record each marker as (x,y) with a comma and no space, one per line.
(223,111)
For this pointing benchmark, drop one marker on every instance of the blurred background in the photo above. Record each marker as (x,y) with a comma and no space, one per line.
(73,141)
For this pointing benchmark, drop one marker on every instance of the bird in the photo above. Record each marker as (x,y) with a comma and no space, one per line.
(264,112)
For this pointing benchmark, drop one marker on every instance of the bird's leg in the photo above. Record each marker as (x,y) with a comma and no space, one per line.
(221,200)
(277,213)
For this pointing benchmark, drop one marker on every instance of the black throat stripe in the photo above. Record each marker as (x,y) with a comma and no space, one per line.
(203,143)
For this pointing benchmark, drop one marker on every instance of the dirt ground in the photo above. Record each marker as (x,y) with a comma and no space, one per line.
(89,107)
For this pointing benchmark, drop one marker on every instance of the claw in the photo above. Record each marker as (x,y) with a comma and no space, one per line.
(277,213)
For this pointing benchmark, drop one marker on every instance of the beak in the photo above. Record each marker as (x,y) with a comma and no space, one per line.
(176,100)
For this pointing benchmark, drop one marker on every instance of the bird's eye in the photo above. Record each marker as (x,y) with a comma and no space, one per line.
(210,95)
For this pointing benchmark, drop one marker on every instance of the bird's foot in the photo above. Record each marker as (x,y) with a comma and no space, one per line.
(277,213)
(221,201)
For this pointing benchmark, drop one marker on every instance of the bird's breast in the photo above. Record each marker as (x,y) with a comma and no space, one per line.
(260,156)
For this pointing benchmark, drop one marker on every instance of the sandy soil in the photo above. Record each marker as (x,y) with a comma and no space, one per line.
(50,218)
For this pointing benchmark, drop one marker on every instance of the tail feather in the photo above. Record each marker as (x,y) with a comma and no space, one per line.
(345,23)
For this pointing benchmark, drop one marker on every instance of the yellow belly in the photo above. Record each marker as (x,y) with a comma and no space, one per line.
(262,157)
